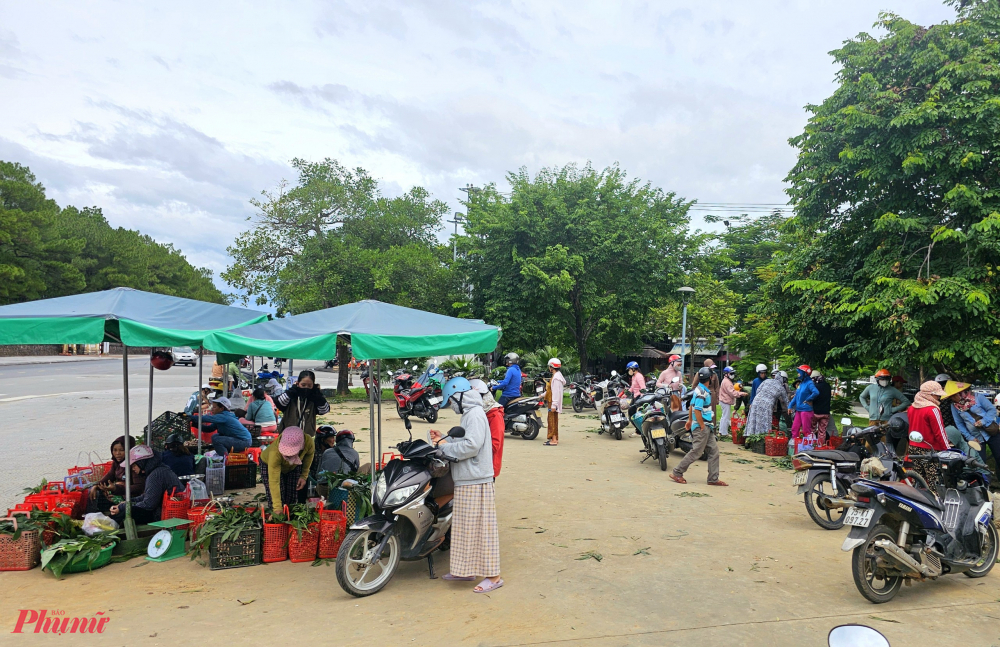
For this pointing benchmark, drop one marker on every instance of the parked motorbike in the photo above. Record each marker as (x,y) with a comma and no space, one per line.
(583,394)
(414,397)
(650,419)
(608,396)
(367,381)
(824,477)
(900,533)
(407,524)
(679,437)
(520,416)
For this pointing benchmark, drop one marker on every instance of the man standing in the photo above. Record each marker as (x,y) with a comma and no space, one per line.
(510,385)
(728,396)
(802,403)
(761,376)
(711,381)
(703,438)
(877,398)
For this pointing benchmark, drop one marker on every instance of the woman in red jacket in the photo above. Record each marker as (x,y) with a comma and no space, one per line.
(925,416)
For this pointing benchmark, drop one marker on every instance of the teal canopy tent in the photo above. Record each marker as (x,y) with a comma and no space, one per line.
(130,317)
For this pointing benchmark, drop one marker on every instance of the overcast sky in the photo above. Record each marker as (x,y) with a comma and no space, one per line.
(171,116)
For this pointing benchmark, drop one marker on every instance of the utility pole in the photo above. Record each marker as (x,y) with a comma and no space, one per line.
(459,218)
(686,293)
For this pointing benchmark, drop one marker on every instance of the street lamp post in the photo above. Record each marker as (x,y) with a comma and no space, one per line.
(686,293)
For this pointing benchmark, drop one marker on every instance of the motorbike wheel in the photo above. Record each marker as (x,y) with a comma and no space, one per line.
(988,553)
(872,582)
(401,412)
(577,404)
(432,416)
(661,452)
(354,574)
(618,433)
(826,519)
(532,431)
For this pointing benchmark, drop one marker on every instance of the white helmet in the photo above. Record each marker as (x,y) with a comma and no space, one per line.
(761,368)
(555,363)
(479,386)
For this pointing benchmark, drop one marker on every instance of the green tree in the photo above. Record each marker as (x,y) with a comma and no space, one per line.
(573,257)
(711,312)
(896,238)
(333,239)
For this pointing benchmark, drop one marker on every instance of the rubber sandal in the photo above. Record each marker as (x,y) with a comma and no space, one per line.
(547,443)
(719,483)
(677,479)
(487,585)
(454,578)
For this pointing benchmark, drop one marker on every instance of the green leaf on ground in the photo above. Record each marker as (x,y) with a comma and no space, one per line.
(693,494)
(642,551)
(590,554)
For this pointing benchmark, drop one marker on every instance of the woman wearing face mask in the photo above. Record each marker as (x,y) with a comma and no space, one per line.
(475,537)
(302,403)
(877,398)
(925,417)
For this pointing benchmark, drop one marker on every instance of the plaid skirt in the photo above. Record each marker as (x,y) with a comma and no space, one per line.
(289,495)
(475,538)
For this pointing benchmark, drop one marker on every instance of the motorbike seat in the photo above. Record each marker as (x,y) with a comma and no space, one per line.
(910,492)
(678,415)
(834,455)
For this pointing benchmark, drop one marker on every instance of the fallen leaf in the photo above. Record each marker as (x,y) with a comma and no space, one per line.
(642,551)
(184,607)
(247,602)
(152,635)
(885,620)
(590,554)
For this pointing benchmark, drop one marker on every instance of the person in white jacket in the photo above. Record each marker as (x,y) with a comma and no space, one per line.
(557,386)
(475,536)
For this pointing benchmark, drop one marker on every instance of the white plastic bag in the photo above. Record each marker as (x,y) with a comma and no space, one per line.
(199,491)
(97,522)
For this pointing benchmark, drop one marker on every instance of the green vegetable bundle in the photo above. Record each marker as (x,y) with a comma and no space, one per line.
(74,550)
(300,516)
(225,525)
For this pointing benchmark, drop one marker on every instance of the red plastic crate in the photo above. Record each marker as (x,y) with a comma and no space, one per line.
(776,445)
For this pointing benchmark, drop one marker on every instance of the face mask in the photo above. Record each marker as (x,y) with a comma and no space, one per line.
(456,406)
(883,383)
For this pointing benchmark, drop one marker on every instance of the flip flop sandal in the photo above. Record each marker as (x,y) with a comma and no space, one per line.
(486,586)
(454,578)
(677,479)
(548,444)
(719,483)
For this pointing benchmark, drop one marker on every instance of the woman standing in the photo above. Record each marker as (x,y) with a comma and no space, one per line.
(475,538)
(769,393)
(283,466)
(925,416)
(302,403)
(638,382)
(554,398)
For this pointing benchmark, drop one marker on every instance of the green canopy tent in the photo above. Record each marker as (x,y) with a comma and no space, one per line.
(377,331)
(123,315)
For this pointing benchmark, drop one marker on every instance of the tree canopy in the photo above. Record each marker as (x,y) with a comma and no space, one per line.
(49,252)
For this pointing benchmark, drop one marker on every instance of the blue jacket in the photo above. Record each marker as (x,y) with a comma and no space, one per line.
(180,465)
(806,392)
(757,382)
(511,383)
(966,422)
(226,424)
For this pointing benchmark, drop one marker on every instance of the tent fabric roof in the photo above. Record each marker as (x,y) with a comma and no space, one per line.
(133,317)
(378,331)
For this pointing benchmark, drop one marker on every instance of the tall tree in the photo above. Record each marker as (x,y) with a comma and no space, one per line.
(573,257)
(897,228)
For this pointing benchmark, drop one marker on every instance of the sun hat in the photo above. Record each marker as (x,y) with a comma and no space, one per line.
(223,402)
(951,387)
(290,443)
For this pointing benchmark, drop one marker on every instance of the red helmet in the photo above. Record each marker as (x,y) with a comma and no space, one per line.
(674,358)
(806,368)
(882,373)
(898,378)
(161,360)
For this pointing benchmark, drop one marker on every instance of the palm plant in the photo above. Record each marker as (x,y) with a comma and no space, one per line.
(467,366)
(538,361)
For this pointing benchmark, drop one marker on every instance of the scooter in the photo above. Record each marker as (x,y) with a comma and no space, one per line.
(520,417)
(415,397)
(412,511)
(366,380)
(648,416)
(899,533)
(583,394)
(608,400)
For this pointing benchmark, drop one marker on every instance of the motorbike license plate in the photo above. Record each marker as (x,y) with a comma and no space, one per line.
(800,478)
(658,432)
(434,400)
(860,517)
(617,417)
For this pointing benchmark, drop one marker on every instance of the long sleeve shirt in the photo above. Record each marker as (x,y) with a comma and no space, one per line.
(966,422)
(510,385)
(557,386)
(161,479)
(277,465)
(666,379)
(927,420)
(638,384)
(728,392)
(875,396)
(804,396)
(756,384)
(226,424)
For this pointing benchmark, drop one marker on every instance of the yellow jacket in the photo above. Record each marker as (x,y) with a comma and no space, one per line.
(277,465)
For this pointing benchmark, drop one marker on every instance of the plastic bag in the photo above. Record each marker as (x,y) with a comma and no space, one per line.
(98,522)
(199,491)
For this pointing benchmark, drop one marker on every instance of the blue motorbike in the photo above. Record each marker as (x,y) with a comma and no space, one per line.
(900,533)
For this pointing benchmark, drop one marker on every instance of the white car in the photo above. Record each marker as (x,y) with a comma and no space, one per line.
(183,355)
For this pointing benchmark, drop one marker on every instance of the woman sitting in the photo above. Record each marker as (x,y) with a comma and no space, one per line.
(177,457)
(261,412)
(113,483)
(231,436)
(158,478)
(284,465)
(340,457)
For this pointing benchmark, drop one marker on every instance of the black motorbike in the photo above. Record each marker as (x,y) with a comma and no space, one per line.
(583,394)
(609,397)
(520,417)
(678,436)
(900,533)
(407,523)
(649,415)
(824,476)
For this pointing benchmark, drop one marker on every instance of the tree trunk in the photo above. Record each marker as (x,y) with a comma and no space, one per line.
(578,333)
(343,359)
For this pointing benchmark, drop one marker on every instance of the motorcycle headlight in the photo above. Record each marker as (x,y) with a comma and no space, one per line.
(380,487)
(398,496)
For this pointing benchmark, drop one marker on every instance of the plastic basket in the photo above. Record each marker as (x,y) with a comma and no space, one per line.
(165,424)
(303,549)
(737,436)
(237,458)
(332,530)
(275,546)
(776,445)
(241,477)
(242,550)
(757,445)
(22,554)
(215,479)
(197,515)
(172,509)
(82,566)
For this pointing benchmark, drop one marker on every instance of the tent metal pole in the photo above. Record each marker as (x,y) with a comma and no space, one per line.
(201,366)
(129,528)
(373,384)
(149,425)
(379,413)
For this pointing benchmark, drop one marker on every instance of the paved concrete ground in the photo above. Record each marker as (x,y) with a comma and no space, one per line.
(741,566)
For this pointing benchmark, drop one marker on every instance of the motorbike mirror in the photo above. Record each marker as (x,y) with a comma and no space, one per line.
(457,432)
(916,437)
(847,422)
(614,373)
(856,636)
(409,427)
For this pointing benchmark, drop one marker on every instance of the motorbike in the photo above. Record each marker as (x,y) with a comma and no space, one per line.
(648,416)
(608,396)
(900,533)
(414,397)
(583,394)
(678,436)
(409,521)
(520,416)
(367,381)
(824,477)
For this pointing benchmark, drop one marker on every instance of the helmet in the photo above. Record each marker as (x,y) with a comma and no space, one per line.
(674,358)
(511,357)
(779,375)
(555,363)
(899,426)
(941,378)
(816,374)
(728,370)
(326,429)
(704,373)
(805,368)
(882,373)
(761,368)
(161,360)
(140,453)
(898,378)
(172,439)
(456,385)
(479,386)
(344,433)
(634,365)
